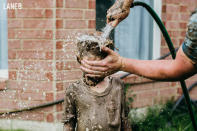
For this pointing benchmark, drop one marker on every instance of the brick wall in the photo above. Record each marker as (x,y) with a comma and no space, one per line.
(42,62)
(41,57)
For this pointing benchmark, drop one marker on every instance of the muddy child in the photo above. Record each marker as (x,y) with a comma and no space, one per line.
(93,103)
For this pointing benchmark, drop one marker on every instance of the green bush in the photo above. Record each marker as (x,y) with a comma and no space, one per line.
(162,119)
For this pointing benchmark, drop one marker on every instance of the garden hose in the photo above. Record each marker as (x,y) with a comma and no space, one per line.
(173,54)
(62,100)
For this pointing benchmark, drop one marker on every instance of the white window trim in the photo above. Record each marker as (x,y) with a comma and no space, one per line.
(156,30)
(3,74)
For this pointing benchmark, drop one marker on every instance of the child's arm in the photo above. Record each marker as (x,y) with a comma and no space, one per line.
(69,116)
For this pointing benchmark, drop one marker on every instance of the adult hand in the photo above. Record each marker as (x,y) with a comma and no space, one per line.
(118,12)
(105,67)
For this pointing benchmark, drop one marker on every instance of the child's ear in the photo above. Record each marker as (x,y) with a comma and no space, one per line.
(78,60)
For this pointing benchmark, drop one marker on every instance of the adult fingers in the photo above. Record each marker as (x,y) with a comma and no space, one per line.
(113,23)
(107,50)
(95,68)
(92,75)
(88,71)
(100,63)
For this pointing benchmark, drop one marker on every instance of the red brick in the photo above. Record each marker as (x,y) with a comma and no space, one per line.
(8,104)
(14,23)
(38,4)
(68,55)
(183,25)
(68,65)
(48,24)
(90,14)
(59,107)
(59,86)
(3,85)
(49,76)
(172,25)
(17,65)
(193,93)
(184,17)
(49,13)
(76,24)
(12,75)
(14,44)
(69,13)
(14,1)
(147,95)
(163,9)
(172,2)
(59,24)
(91,24)
(38,65)
(76,4)
(70,45)
(59,44)
(33,75)
(174,33)
(30,13)
(59,3)
(142,103)
(11,13)
(70,34)
(49,97)
(30,85)
(11,33)
(60,95)
(183,8)
(172,8)
(59,116)
(68,75)
(168,92)
(92,4)
(173,17)
(11,54)
(33,55)
(49,55)
(66,84)
(31,96)
(38,44)
(34,34)
(33,116)
(50,117)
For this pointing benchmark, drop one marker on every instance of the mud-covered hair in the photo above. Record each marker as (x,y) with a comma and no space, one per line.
(90,44)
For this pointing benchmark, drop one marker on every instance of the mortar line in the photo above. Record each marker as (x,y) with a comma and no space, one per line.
(54,59)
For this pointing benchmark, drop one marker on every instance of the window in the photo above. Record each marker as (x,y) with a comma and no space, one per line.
(3,41)
(137,36)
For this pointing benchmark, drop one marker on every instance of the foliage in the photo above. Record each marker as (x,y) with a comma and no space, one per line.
(162,119)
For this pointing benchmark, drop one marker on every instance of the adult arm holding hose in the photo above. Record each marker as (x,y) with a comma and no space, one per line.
(182,67)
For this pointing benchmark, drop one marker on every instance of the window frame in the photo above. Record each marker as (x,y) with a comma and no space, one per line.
(4,35)
(156,31)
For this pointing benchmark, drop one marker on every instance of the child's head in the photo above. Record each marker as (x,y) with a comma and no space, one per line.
(88,47)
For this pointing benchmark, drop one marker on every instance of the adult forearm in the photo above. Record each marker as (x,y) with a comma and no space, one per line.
(154,69)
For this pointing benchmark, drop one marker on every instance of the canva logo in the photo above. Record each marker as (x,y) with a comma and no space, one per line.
(13,6)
